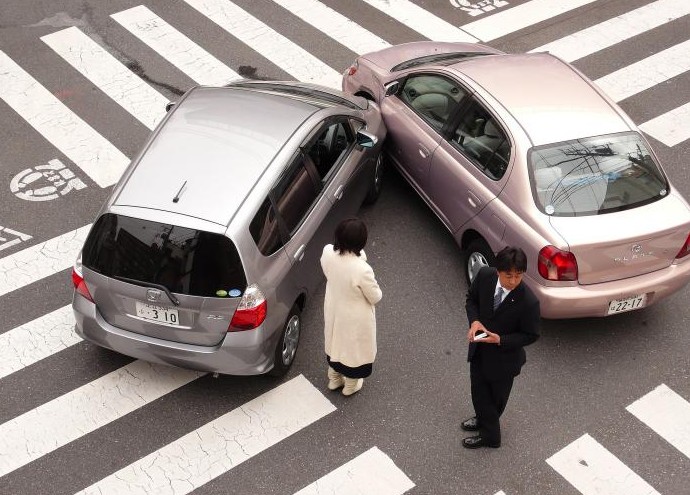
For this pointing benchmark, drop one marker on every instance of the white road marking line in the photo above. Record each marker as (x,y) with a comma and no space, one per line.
(36,340)
(211,450)
(617,29)
(175,47)
(109,74)
(421,20)
(333,24)
(519,17)
(593,470)
(671,128)
(287,55)
(370,472)
(668,414)
(6,242)
(500,493)
(81,411)
(41,260)
(90,151)
(646,73)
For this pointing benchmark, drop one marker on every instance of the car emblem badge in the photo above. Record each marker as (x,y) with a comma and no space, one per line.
(636,248)
(153,295)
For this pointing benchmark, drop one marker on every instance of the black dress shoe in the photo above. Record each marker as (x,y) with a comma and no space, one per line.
(470,425)
(478,441)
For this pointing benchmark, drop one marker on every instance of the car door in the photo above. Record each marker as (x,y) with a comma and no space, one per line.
(468,168)
(415,118)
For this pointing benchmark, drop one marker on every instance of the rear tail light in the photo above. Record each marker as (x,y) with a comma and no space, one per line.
(78,280)
(251,311)
(555,264)
(685,250)
(350,71)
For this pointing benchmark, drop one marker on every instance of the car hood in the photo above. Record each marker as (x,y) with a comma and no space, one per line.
(628,243)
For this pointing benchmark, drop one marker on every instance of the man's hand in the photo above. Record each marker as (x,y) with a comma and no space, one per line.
(477,327)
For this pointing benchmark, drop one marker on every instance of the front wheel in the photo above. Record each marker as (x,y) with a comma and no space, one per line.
(376,183)
(477,255)
(287,345)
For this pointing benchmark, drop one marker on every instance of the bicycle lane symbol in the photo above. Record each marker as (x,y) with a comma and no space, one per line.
(45,182)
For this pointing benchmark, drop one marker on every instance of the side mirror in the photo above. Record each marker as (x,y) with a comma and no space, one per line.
(391,88)
(366,139)
(169,105)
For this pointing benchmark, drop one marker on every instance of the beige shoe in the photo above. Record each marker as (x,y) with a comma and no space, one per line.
(335,379)
(352,385)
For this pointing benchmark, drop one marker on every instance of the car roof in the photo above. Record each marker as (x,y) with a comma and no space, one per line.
(548,97)
(212,150)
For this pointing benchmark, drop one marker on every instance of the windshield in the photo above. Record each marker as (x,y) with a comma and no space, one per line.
(312,93)
(595,175)
(436,58)
(184,261)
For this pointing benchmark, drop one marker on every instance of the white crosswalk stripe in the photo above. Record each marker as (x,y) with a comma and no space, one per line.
(668,414)
(671,128)
(211,450)
(90,151)
(109,74)
(81,411)
(368,473)
(175,47)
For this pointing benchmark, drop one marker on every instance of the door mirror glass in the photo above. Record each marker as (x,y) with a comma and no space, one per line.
(366,139)
(169,105)
(391,88)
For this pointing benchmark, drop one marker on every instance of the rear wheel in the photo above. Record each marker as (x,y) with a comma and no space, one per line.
(377,182)
(287,345)
(477,255)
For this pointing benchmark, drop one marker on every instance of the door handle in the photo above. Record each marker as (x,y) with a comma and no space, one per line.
(471,202)
(299,254)
(423,151)
(338,192)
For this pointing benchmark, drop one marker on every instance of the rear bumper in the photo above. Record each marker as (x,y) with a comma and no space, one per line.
(239,353)
(593,300)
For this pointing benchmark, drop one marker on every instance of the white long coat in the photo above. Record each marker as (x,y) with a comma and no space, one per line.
(349,315)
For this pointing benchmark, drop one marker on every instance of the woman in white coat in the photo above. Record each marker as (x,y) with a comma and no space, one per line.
(349,316)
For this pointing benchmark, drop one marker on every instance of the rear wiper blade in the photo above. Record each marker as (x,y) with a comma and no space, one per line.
(141,283)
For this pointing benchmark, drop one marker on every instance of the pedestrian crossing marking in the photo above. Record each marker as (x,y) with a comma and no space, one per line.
(85,409)
(335,25)
(41,260)
(372,472)
(667,414)
(36,340)
(608,33)
(421,20)
(593,470)
(109,75)
(90,151)
(671,128)
(647,73)
(272,45)
(213,449)
(13,239)
(191,59)
(520,17)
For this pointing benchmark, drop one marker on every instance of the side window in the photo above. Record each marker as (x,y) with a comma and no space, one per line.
(296,192)
(264,229)
(480,137)
(330,147)
(433,97)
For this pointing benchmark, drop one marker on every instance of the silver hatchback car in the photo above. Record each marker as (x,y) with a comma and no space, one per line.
(206,251)
(522,149)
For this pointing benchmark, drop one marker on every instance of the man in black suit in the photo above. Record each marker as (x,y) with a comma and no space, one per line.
(503,315)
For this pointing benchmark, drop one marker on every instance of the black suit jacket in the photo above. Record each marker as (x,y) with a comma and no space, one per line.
(516,320)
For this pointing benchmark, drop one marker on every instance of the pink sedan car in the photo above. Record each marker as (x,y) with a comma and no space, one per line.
(523,149)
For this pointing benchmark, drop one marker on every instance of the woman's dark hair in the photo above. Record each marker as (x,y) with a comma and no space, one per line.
(350,236)
(511,258)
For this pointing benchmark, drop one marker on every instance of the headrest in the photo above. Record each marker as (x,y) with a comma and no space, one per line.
(491,130)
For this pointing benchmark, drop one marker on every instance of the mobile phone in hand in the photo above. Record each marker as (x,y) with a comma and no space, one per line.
(480,335)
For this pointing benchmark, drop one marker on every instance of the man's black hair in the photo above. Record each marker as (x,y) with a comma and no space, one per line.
(511,258)
(350,236)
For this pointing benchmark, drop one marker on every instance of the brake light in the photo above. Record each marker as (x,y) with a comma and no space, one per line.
(556,264)
(251,311)
(78,280)
(352,69)
(685,250)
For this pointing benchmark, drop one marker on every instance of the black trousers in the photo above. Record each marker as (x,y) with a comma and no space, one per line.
(489,398)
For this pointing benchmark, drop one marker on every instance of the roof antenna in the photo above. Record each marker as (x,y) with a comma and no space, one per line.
(177,196)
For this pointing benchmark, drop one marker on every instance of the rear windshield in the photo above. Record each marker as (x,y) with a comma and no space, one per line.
(596,175)
(186,261)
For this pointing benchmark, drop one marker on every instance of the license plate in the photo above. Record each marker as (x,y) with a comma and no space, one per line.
(157,313)
(627,304)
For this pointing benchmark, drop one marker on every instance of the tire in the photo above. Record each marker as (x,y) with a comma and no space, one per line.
(477,255)
(377,182)
(287,344)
